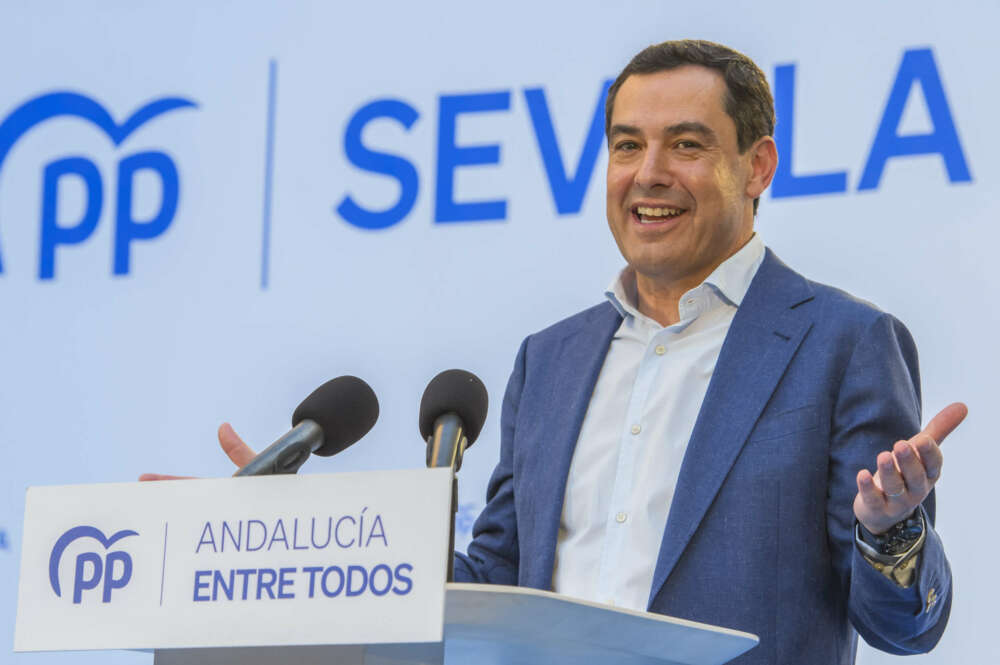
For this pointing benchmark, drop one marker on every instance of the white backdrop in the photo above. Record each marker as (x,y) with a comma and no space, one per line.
(105,375)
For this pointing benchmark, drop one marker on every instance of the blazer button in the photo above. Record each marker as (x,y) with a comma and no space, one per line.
(932,599)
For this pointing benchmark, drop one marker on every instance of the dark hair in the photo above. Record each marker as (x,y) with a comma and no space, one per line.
(748,98)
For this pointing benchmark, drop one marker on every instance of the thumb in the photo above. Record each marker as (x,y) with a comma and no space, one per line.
(946,421)
(234,447)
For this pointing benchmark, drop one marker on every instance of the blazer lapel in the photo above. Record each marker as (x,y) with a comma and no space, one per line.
(578,357)
(762,340)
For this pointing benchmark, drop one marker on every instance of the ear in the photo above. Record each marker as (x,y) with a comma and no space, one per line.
(763,162)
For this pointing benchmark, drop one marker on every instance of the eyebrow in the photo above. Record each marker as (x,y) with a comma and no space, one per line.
(688,127)
(691,127)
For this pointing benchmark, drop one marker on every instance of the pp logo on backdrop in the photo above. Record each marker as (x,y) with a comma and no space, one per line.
(56,232)
(106,569)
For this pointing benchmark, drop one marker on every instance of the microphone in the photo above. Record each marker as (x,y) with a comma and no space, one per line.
(331,418)
(452,412)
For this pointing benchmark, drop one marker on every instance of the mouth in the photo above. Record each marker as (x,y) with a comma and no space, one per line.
(656,214)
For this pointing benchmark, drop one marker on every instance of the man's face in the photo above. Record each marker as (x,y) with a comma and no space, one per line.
(678,199)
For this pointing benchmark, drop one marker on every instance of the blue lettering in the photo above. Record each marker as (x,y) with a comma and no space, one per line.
(361,526)
(81,583)
(235,539)
(284,581)
(388,580)
(379,162)
(400,577)
(266,578)
(917,67)
(567,192)
(312,570)
(326,587)
(263,535)
(52,233)
(112,582)
(279,526)
(295,535)
(218,581)
(245,573)
(127,228)
(199,585)
(377,524)
(451,156)
(351,589)
(207,538)
(329,532)
(785,182)
(337,531)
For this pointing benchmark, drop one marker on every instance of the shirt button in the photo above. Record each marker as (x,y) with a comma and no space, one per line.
(621,517)
(636,429)
(660,350)
(690,301)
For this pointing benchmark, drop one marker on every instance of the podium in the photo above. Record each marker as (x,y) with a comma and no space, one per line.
(338,569)
(502,625)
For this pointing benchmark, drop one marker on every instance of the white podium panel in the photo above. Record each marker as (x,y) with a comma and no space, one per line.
(271,561)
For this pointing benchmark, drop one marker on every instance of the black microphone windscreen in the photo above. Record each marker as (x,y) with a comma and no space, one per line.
(454,391)
(345,408)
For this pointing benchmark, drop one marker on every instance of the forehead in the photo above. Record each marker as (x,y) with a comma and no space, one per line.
(684,94)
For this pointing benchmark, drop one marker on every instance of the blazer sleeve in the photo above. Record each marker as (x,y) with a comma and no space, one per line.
(878,403)
(494,553)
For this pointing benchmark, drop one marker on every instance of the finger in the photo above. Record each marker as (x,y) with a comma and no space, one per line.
(930,456)
(869,492)
(945,422)
(889,478)
(911,468)
(160,476)
(237,451)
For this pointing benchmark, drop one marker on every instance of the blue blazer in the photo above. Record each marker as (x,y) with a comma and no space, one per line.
(810,385)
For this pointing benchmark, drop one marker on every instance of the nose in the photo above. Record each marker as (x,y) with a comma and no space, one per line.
(654,170)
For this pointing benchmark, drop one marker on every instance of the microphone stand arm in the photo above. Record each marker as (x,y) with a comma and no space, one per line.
(286,454)
(444,449)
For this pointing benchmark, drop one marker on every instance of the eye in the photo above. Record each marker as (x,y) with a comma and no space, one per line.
(626,146)
(687,144)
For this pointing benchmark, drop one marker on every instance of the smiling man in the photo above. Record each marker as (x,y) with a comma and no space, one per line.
(699,444)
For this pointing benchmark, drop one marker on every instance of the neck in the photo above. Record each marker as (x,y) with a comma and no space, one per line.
(660,300)
(658,295)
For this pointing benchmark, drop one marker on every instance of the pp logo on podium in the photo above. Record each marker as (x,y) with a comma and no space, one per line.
(109,570)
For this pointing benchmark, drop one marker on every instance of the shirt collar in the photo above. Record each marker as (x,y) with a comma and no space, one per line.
(731,279)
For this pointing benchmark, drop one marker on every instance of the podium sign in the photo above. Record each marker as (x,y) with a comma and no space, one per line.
(280,560)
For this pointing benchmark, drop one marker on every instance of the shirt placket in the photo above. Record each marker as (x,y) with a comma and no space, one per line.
(619,519)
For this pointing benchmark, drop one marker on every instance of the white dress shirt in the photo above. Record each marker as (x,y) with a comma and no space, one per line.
(636,430)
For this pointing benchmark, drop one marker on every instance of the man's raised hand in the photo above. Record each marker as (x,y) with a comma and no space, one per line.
(906,474)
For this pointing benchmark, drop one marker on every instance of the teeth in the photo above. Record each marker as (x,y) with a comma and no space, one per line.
(644,211)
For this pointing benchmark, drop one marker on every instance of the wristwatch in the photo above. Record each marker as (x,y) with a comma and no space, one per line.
(894,553)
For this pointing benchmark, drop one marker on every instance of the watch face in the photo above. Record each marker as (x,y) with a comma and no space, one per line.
(902,536)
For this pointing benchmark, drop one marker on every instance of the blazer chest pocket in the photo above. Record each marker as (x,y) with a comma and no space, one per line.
(775,426)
